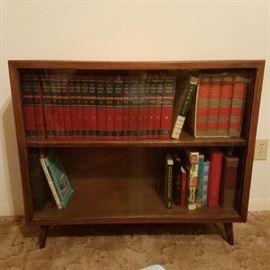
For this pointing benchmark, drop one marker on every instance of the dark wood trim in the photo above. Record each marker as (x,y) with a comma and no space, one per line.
(135,65)
(43,236)
(229,233)
(253,122)
(21,141)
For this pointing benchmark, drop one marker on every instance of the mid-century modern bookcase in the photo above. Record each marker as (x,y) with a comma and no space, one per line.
(114,179)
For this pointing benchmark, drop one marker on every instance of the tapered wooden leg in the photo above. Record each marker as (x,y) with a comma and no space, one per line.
(229,232)
(43,236)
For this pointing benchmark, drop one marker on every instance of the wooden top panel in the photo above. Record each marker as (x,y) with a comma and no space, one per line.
(138,65)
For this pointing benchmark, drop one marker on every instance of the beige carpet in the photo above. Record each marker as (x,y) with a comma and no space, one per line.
(176,247)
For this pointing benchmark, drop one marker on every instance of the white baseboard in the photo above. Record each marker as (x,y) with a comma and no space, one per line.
(259,205)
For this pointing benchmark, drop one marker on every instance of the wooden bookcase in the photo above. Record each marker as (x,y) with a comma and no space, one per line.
(113,180)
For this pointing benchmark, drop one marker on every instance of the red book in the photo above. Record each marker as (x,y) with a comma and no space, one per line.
(28,107)
(141,104)
(66,108)
(73,104)
(158,107)
(183,198)
(79,113)
(225,106)
(48,107)
(55,87)
(109,111)
(125,108)
(237,107)
(118,109)
(167,108)
(213,105)
(92,110)
(228,182)
(133,109)
(145,109)
(202,106)
(101,109)
(151,110)
(214,179)
(38,107)
(85,108)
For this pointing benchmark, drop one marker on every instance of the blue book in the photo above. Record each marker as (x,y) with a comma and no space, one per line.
(200,181)
(56,174)
(205,182)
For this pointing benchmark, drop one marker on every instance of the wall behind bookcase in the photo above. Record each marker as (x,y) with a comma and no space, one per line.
(187,30)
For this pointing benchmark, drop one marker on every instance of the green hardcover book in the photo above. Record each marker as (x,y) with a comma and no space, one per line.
(186,94)
(58,177)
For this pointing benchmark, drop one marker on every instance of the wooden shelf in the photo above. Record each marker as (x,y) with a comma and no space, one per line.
(117,200)
(185,140)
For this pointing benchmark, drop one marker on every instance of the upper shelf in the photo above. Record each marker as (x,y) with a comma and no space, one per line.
(185,140)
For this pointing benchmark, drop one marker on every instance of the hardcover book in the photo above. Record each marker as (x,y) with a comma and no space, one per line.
(57,178)
(182,105)
(228,181)
(214,178)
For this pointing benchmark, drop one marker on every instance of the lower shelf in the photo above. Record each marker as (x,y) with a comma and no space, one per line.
(118,186)
(110,201)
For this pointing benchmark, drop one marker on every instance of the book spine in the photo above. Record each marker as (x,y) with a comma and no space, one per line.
(118,109)
(66,108)
(237,107)
(55,106)
(151,110)
(168,181)
(92,108)
(183,106)
(51,185)
(176,194)
(73,104)
(214,179)
(48,107)
(228,181)
(28,107)
(205,182)
(225,106)
(158,108)
(133,109)
(38,107)
(201,109)
(101,109)
(183,187)
(140,124)
(125,108)
(146,108)
(167,108)
(86,100)
(213,106)
(109,110)
(200,181)
(79,115)
(192,179)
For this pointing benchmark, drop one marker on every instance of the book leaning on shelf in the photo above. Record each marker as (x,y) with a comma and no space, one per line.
(57,179)
(186,93)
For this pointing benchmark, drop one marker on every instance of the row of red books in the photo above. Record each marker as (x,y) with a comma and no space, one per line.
(219,106)
(100,107)
(194,179)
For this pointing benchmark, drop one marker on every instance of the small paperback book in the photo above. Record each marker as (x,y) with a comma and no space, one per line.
(57,179)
